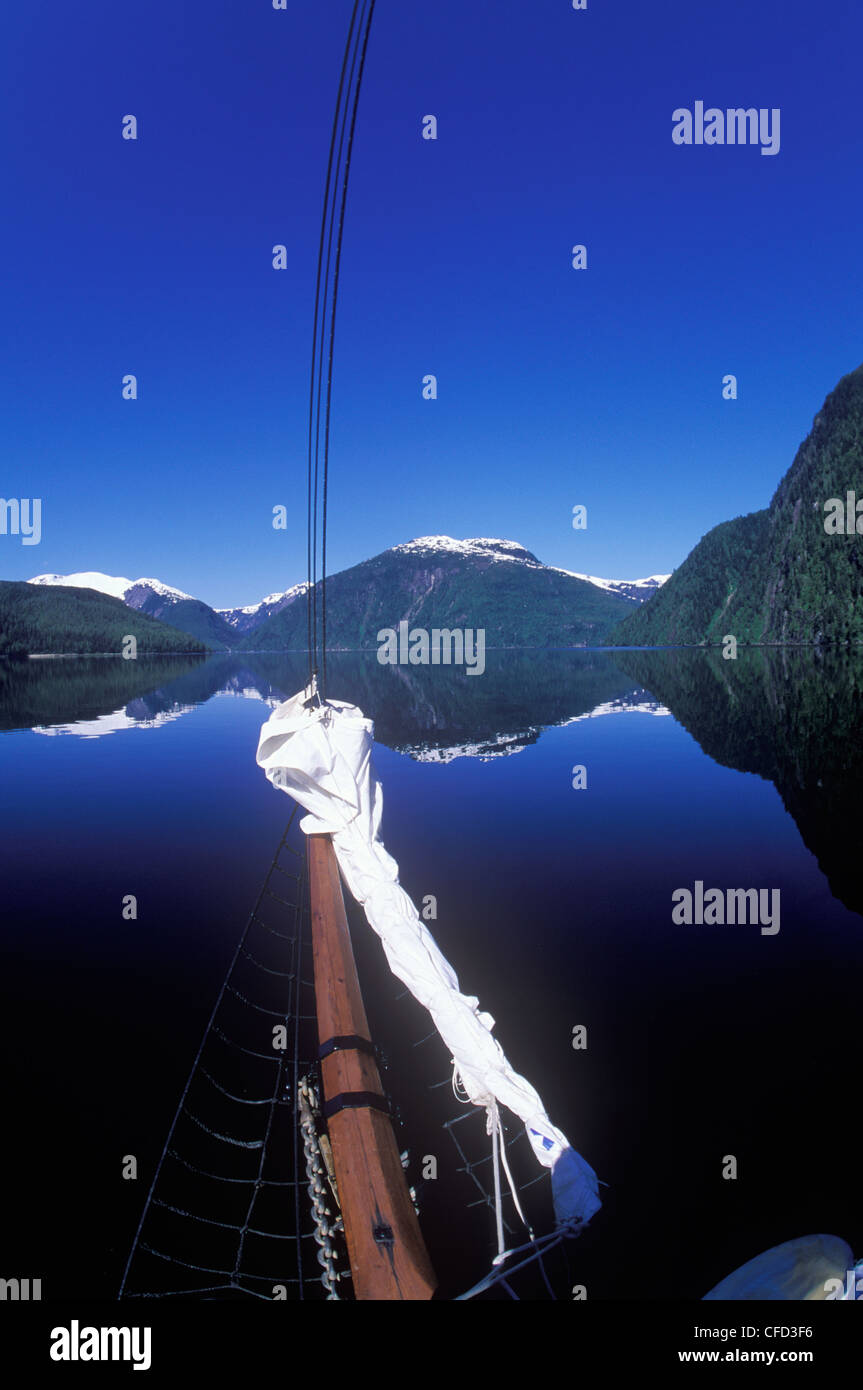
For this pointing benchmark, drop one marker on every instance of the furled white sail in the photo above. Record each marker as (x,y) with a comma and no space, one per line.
(320,753)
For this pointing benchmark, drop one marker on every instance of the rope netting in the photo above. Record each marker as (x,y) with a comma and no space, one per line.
(233,1197)
(242,1202)
(488,1214)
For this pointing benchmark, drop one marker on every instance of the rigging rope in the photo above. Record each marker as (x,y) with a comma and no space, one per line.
(323,337)
(195,1196)
(242,1203)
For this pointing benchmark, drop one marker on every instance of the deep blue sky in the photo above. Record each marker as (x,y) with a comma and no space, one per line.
(556,387)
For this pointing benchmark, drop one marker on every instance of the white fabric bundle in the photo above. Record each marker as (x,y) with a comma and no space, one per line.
(321,755)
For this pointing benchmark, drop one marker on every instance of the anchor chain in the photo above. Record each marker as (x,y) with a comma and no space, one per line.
(319,1180)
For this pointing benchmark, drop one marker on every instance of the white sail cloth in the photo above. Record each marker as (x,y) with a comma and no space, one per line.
(321,755)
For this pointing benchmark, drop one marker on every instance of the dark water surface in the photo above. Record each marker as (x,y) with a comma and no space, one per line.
(554,905)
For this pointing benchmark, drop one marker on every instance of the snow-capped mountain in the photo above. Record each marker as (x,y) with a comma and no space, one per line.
(87,579)
(440,582)
(218,627)
(639,590)
(115,586)
(157,600)
(522,601)
(139,589)
(253,614)
(480,548)
(487,548)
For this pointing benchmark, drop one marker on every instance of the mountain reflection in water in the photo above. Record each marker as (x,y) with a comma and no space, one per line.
(791,716)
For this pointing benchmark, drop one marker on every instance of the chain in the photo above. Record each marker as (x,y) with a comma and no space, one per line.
(317,1175)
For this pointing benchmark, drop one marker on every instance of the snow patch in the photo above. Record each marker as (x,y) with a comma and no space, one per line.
(251,608)
(163,590)
(654,581)
(486,547)
(112,585)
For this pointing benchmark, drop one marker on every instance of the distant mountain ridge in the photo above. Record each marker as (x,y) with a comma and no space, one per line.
(440,582)
(113,585)
(246,619)
(235,628)
(639,590)
(161,601)
(776,576)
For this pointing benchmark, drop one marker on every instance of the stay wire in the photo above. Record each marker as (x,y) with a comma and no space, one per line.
(325,345)
(332,230)
(336,271)
(311,522)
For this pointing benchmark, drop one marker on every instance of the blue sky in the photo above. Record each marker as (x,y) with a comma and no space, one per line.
(556,387)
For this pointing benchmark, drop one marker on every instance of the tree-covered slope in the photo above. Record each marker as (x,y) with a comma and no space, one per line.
(41,620)
(775,576)
(189,615)
(692,606)
(811,582)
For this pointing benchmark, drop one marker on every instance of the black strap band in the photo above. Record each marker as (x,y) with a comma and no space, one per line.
(348,1042)
(355,1100)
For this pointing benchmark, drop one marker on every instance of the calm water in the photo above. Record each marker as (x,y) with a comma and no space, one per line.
(554,905)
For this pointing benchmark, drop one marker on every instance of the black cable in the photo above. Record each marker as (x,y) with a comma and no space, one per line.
(356,99)
(311,528)
(326,333)
(332,229)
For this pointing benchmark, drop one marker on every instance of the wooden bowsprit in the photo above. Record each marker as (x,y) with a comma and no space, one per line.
(387,1253)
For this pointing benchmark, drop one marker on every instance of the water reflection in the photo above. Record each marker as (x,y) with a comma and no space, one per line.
(432,713)
(791,716)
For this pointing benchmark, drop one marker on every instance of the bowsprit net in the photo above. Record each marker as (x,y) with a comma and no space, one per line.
(240,1204)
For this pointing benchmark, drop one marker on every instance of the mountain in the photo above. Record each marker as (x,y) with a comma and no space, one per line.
(247,619)
(152,597)
(567,613)
(639,590)
(76,618)
(109,584)
(113,585)
(692,607)
(439,582)
(188,614)
(775,576)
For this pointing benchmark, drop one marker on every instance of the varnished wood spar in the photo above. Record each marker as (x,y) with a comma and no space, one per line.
(388,1256)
